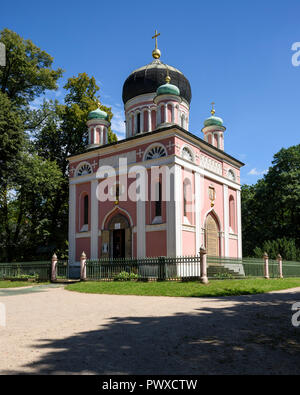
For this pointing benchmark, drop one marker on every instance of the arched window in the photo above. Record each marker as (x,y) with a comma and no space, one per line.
(156,152)
(138,123)
(86,210)
(158,201)
(231,213)
(187,200)
(84,169)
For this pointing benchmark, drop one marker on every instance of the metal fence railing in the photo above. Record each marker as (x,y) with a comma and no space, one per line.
(39,271)
(158,268)
(62,269)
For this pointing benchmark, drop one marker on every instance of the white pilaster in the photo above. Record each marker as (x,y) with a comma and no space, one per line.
(141,229)
(226,220)
(149,121)
(173,113)
(178,209)
(198,209)
(94,220)
(158,116)
(72,222)
(166,112)
(239,223)
(142,121)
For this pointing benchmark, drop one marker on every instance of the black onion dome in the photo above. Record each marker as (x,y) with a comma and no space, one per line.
(148,78)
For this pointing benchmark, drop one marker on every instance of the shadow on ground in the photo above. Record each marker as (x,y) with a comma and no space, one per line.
(255,336)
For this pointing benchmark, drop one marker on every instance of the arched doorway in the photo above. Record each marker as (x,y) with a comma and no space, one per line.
(212,236)
(116,238)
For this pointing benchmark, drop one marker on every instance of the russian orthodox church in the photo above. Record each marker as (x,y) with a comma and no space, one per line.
(204,206)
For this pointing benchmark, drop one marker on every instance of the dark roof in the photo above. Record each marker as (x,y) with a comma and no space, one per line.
(148,78)
(140,135)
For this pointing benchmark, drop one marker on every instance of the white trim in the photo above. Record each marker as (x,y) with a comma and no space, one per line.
(226,220)
(94,220)
(239,223)
(198,210)
(156,227)
(72,222)
(189,228)
(178,210)
(117,209)
(82,235)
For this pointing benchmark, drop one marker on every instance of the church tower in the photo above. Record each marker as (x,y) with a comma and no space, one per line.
(98,125)
(150,100)
(214,130)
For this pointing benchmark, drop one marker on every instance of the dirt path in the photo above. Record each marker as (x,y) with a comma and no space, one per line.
(52,330)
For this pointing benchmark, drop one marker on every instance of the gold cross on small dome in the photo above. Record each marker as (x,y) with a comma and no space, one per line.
(213,111)
(156,53)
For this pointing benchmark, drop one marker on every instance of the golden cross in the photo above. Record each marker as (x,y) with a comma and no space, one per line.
(155,36)
(213,111)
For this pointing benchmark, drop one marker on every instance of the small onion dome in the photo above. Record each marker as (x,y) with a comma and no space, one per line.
(213,121)
(168,89)
(98,114)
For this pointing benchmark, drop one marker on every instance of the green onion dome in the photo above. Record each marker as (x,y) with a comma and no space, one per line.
(98,114)
(168,89)
(213,121)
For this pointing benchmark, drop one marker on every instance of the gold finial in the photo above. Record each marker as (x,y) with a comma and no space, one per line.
(98,104)
(168,79)
(156,53)
(213,111)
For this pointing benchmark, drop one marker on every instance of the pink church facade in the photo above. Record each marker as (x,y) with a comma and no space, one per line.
(197,185)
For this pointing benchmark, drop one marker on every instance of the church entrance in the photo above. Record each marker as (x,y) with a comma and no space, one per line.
(118,243)
(117,238)
(212,238)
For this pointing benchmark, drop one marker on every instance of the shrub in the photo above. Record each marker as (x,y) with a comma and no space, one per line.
(125,276)
(285,247)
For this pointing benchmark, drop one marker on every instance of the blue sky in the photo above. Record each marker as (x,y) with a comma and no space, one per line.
(236,53)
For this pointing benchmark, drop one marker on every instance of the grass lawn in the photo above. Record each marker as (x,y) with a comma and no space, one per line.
(17,284)
(191,289)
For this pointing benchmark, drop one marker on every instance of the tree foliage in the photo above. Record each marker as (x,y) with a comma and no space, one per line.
(271,207)
(34,146)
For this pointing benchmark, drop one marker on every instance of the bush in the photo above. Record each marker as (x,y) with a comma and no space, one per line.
(285,247)
(125,276)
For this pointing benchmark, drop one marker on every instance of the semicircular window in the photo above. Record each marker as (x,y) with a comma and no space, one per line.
(85,169)
(156,152)
(186,154)
(231,175)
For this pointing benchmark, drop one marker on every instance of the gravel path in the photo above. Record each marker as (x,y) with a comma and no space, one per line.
(54,331)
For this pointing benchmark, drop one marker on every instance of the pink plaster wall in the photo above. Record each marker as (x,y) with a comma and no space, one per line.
(188,243)
(156,243)
(83,244)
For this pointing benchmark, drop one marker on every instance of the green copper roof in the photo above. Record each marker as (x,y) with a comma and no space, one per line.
(168,89)
(213,121)
(98,114)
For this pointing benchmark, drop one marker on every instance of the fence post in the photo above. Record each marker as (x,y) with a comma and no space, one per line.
(279,259)
(83,266)
(54,267)
(203,266)
(266,259)
(162,268)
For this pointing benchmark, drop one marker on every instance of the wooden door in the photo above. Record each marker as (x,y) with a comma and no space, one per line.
(119,243)
(212,237)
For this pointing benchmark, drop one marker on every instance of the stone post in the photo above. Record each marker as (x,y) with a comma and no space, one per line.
(279,259)
(266,259)
(203,266)
(83,266)
(53,267)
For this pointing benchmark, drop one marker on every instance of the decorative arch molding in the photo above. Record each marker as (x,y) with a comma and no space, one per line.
(155,151)
(215,215)
(185,150)
(115,211)
(231,174)
(83,169)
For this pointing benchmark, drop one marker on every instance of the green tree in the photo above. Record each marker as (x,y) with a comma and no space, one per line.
(28,72)
(271,207)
